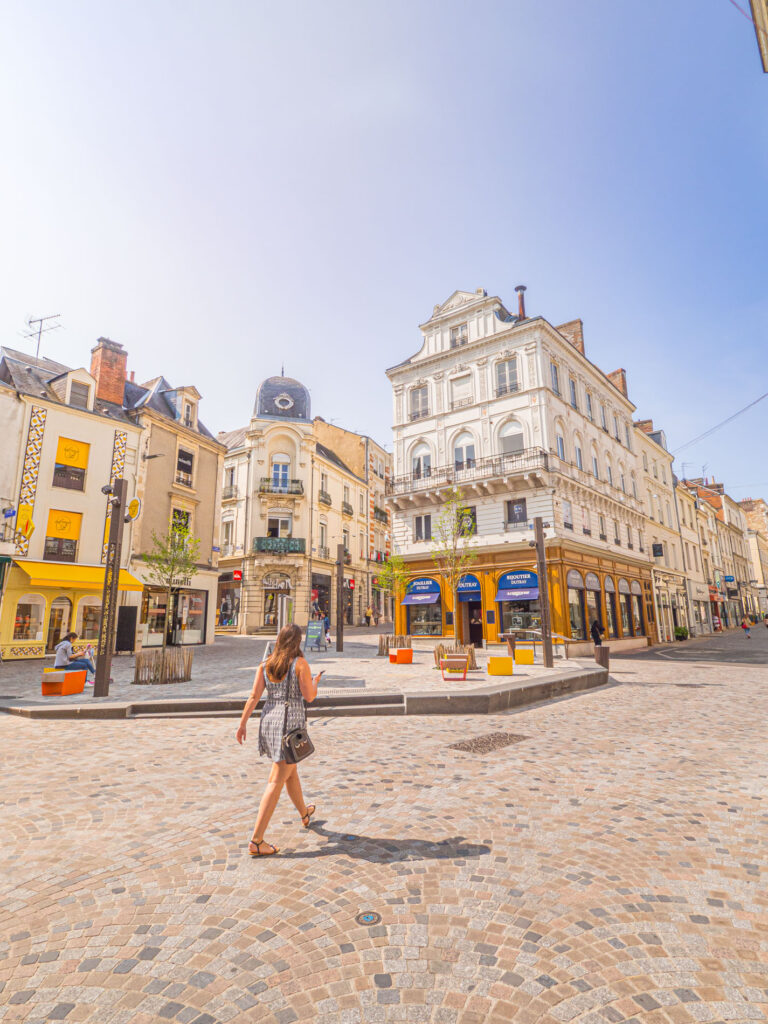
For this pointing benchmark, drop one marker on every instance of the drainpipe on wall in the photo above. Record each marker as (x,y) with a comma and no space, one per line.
(241,625)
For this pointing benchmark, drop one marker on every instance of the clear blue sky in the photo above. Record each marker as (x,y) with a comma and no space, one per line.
(222,187)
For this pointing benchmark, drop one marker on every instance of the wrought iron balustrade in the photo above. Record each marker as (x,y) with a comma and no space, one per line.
(229,491)
(480,469)
(269,486)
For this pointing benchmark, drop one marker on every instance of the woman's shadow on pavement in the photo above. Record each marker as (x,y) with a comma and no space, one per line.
(386,851)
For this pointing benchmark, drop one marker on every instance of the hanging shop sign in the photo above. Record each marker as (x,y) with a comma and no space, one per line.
(730,579)
(518,586)
(468,588)
(237,574)
(134,508)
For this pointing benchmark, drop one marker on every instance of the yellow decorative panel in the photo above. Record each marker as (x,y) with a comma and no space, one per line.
(72,453)
(64,525)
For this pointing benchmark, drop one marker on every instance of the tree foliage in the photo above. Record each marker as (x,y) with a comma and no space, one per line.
(392,576)
(173,556)
(453,545)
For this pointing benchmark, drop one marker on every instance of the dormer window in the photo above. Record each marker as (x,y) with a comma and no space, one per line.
(189,415)
(79,395)
(459,335)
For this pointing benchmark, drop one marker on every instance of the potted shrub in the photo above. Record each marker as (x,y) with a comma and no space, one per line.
(681,633)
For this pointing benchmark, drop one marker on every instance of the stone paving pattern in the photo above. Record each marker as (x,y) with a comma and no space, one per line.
(610,866)
(227,669)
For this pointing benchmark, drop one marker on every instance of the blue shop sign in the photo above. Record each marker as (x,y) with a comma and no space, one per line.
(730,579)
(469,587)
(518,586)
(423,590)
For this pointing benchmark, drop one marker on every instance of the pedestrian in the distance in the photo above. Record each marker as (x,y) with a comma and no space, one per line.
(597,633)
(288,681)
(64,658)
(327,627)
(746,625)
(368,615)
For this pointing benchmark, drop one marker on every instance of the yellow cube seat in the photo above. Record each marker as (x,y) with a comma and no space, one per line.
(524,655)
(501,665)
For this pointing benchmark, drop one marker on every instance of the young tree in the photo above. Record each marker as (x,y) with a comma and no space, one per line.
(453,547)
(173,556)
(392,576)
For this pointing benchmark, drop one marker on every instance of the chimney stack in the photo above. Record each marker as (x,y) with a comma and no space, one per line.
(520,289)
(108,368)
(619,380)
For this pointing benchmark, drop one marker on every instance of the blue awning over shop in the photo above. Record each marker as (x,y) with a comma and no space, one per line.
(518,594)
(421,599)
(469,588)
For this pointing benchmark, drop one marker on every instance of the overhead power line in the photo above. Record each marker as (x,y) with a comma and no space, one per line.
(719,425)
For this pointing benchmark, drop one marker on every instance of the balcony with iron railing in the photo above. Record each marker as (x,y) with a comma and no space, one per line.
(323,551)
(347,509)
(418,414)
(462,403)
(227,550)
(524,525)
(280,545)
(324,498)
(493,467)
(380,514)
(229,491)
(269,486)
(507,389)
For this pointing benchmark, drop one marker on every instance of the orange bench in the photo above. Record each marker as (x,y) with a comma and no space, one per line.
(401,656)
(60,683)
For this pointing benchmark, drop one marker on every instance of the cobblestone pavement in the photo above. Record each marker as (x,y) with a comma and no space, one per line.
(227,668)
(609,865)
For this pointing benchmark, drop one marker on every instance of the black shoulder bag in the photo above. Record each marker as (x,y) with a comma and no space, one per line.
(296,744)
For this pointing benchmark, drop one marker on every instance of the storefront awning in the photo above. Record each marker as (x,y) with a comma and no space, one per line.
(77,577)
(420,599)
(518,594)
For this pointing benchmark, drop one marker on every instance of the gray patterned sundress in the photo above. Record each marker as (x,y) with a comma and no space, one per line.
(273,714)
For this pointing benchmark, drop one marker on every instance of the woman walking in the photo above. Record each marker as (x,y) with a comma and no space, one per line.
(288,681)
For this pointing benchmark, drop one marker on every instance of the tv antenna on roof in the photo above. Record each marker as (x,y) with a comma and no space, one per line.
(39,330)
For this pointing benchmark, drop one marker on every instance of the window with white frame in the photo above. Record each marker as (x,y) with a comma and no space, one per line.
(616,535)
(601,521)
(419,399)
(567,515)
(506,377)
(595,467)
(634,486)
(421,461)
(555,378)
(609,472)
(628,436)
(279,523)
(459,335)
(616,433)
(511,440)
(579,456)
(629,536)
(461,391)
(345,540)
(572,388)
(464,451)
(560,442)
(281,471)
(622,483)
(422,527)
(645,462)
(603,421)
(589,405)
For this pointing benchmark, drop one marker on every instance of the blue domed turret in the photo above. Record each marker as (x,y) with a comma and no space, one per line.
(282,397)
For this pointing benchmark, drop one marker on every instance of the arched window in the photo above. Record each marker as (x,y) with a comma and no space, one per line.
(421,461)
(281,471)
(560,439)
(464,451)
(30,612)
(595,464)
(577,452)
(609,471)
(511,440)
(88,617)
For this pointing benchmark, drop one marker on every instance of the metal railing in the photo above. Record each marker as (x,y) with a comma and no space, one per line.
(517,526)
(461,403)
(323,552)
(269,486)
(380,514)
(229,491)
(347,508)
(324,497)
(280,545)
(481,469)
(418,414)
(507,389)
(227,550)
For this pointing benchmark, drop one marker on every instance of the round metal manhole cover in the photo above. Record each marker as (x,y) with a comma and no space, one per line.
(368,917)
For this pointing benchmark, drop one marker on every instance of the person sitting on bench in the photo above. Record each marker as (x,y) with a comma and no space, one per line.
(65,661)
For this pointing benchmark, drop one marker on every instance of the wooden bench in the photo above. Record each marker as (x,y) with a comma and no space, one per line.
(58,682)
(401,656)
(454,664)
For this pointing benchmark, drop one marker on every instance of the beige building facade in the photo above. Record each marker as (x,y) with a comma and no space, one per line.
(294,489)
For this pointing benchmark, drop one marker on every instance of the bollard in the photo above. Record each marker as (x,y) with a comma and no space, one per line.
(602,656)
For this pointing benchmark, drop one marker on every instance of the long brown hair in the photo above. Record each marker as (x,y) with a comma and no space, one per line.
(287,647)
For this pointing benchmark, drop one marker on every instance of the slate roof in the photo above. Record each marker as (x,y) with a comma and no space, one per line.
(32,376)
(232,438)
(276,388)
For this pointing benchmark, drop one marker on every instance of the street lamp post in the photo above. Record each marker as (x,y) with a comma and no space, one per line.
(110,593)
(541,567)
(340,552)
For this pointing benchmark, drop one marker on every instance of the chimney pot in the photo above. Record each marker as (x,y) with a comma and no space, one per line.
(520,289)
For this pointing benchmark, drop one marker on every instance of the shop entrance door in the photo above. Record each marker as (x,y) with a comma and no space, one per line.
(58,623)
(475,610)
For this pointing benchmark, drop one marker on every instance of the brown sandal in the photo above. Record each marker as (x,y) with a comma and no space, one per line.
(272,849)
(308,816)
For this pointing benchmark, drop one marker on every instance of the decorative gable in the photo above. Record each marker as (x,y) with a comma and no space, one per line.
(457,300)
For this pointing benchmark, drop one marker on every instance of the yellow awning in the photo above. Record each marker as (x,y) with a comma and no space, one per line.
(77,577)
